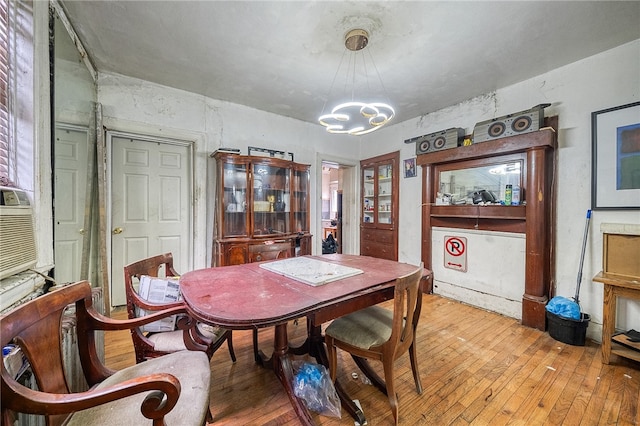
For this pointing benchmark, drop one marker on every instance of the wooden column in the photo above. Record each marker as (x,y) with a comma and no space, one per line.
(537,266)
(427,196)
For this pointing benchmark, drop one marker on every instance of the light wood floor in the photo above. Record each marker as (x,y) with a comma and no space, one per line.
(477,368)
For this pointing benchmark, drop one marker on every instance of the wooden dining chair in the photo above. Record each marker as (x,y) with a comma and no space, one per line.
(173,388)
(376,333)
(191,334)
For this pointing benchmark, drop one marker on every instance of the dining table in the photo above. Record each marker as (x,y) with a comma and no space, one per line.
(273,293)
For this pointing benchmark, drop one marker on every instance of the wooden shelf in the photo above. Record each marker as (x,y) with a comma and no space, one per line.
(621,345)
(616,286)
(477,211)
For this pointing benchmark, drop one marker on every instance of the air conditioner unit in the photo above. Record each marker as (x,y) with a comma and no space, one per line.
(17,239)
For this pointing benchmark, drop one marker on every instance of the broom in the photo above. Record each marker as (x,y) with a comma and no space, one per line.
(563,306)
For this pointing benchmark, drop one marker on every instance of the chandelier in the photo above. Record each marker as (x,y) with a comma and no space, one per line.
(356,116)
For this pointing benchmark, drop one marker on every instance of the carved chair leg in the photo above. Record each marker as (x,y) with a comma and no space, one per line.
(413,356)
(391,392)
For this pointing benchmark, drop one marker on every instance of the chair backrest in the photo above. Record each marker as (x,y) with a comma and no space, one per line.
(160,265)
(36,328)
(405,307)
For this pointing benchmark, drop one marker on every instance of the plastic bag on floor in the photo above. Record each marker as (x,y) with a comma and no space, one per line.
(313,385)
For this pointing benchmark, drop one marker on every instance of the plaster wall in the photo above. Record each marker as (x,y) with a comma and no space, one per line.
(140,107)
(606,80)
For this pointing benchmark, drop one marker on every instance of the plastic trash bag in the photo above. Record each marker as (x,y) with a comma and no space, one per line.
(564,307)
(329,245)
(313,385)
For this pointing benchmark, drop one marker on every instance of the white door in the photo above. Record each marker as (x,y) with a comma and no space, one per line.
(151,209)
(69,200)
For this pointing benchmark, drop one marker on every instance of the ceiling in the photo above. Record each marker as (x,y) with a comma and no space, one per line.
(282,56)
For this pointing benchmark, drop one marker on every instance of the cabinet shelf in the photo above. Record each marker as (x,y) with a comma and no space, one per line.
(249,187)
(481,212)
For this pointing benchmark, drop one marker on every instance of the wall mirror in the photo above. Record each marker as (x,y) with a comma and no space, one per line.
(462,183)
(75,187)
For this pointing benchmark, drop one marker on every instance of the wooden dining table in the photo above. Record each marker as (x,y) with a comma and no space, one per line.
(249,296)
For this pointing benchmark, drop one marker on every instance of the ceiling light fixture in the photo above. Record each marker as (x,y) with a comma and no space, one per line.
(351,116)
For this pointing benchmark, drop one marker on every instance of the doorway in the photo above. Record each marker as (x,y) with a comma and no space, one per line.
(337,197)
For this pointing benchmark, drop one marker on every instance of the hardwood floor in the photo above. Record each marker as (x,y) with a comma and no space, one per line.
(477,368)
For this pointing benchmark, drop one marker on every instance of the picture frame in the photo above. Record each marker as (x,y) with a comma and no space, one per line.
(410,167)
(615,158)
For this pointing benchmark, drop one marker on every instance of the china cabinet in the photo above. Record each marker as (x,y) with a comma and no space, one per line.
(262,209)
(471,187)
(379,204)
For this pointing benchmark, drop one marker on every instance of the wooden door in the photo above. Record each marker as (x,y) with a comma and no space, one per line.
(151,209)
(70,191)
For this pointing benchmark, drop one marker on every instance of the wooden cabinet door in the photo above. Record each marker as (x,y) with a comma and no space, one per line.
(379,206)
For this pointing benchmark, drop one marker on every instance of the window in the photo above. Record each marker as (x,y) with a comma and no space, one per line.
(4,92)
(17,121)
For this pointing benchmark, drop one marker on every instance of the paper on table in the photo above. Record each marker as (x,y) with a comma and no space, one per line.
(310,271)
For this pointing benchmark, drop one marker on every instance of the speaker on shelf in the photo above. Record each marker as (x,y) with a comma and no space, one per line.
(513,124)
(437,141)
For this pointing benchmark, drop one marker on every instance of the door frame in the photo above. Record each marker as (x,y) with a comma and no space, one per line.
(109,135)
(350,196)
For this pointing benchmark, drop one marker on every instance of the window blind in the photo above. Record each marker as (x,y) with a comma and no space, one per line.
(4,92)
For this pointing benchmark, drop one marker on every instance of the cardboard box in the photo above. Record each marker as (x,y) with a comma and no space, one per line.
(621,254)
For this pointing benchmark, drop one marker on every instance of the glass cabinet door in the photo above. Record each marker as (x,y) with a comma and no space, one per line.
(235,199)
(271,200)
(368,194)
(377,194)
(300,202)
(385,191)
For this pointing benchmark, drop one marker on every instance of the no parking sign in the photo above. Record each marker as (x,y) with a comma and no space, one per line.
(455,253)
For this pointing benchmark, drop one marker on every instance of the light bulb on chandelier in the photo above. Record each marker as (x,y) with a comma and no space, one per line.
(356,117)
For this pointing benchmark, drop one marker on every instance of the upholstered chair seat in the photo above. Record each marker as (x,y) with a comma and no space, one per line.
(191,368)
(365,328)
(173,341)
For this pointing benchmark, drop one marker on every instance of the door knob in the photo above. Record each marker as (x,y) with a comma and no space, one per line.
(116,231)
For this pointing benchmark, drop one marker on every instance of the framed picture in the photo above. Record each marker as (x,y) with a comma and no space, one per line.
(615,158)
(410,167)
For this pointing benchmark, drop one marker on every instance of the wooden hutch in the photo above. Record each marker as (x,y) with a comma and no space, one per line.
(379,215)
(534,154)
(262,209)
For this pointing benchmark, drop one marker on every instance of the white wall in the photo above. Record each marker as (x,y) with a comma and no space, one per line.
(137,106)
(606,80)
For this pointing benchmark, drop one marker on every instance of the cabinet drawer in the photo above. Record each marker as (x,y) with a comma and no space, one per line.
(377,250)
(378,235)
(260,252)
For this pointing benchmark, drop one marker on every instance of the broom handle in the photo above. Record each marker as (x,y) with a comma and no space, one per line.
(584,245)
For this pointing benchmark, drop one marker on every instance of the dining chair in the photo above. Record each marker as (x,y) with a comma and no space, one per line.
(173,388)
(376,333)
(192,335)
